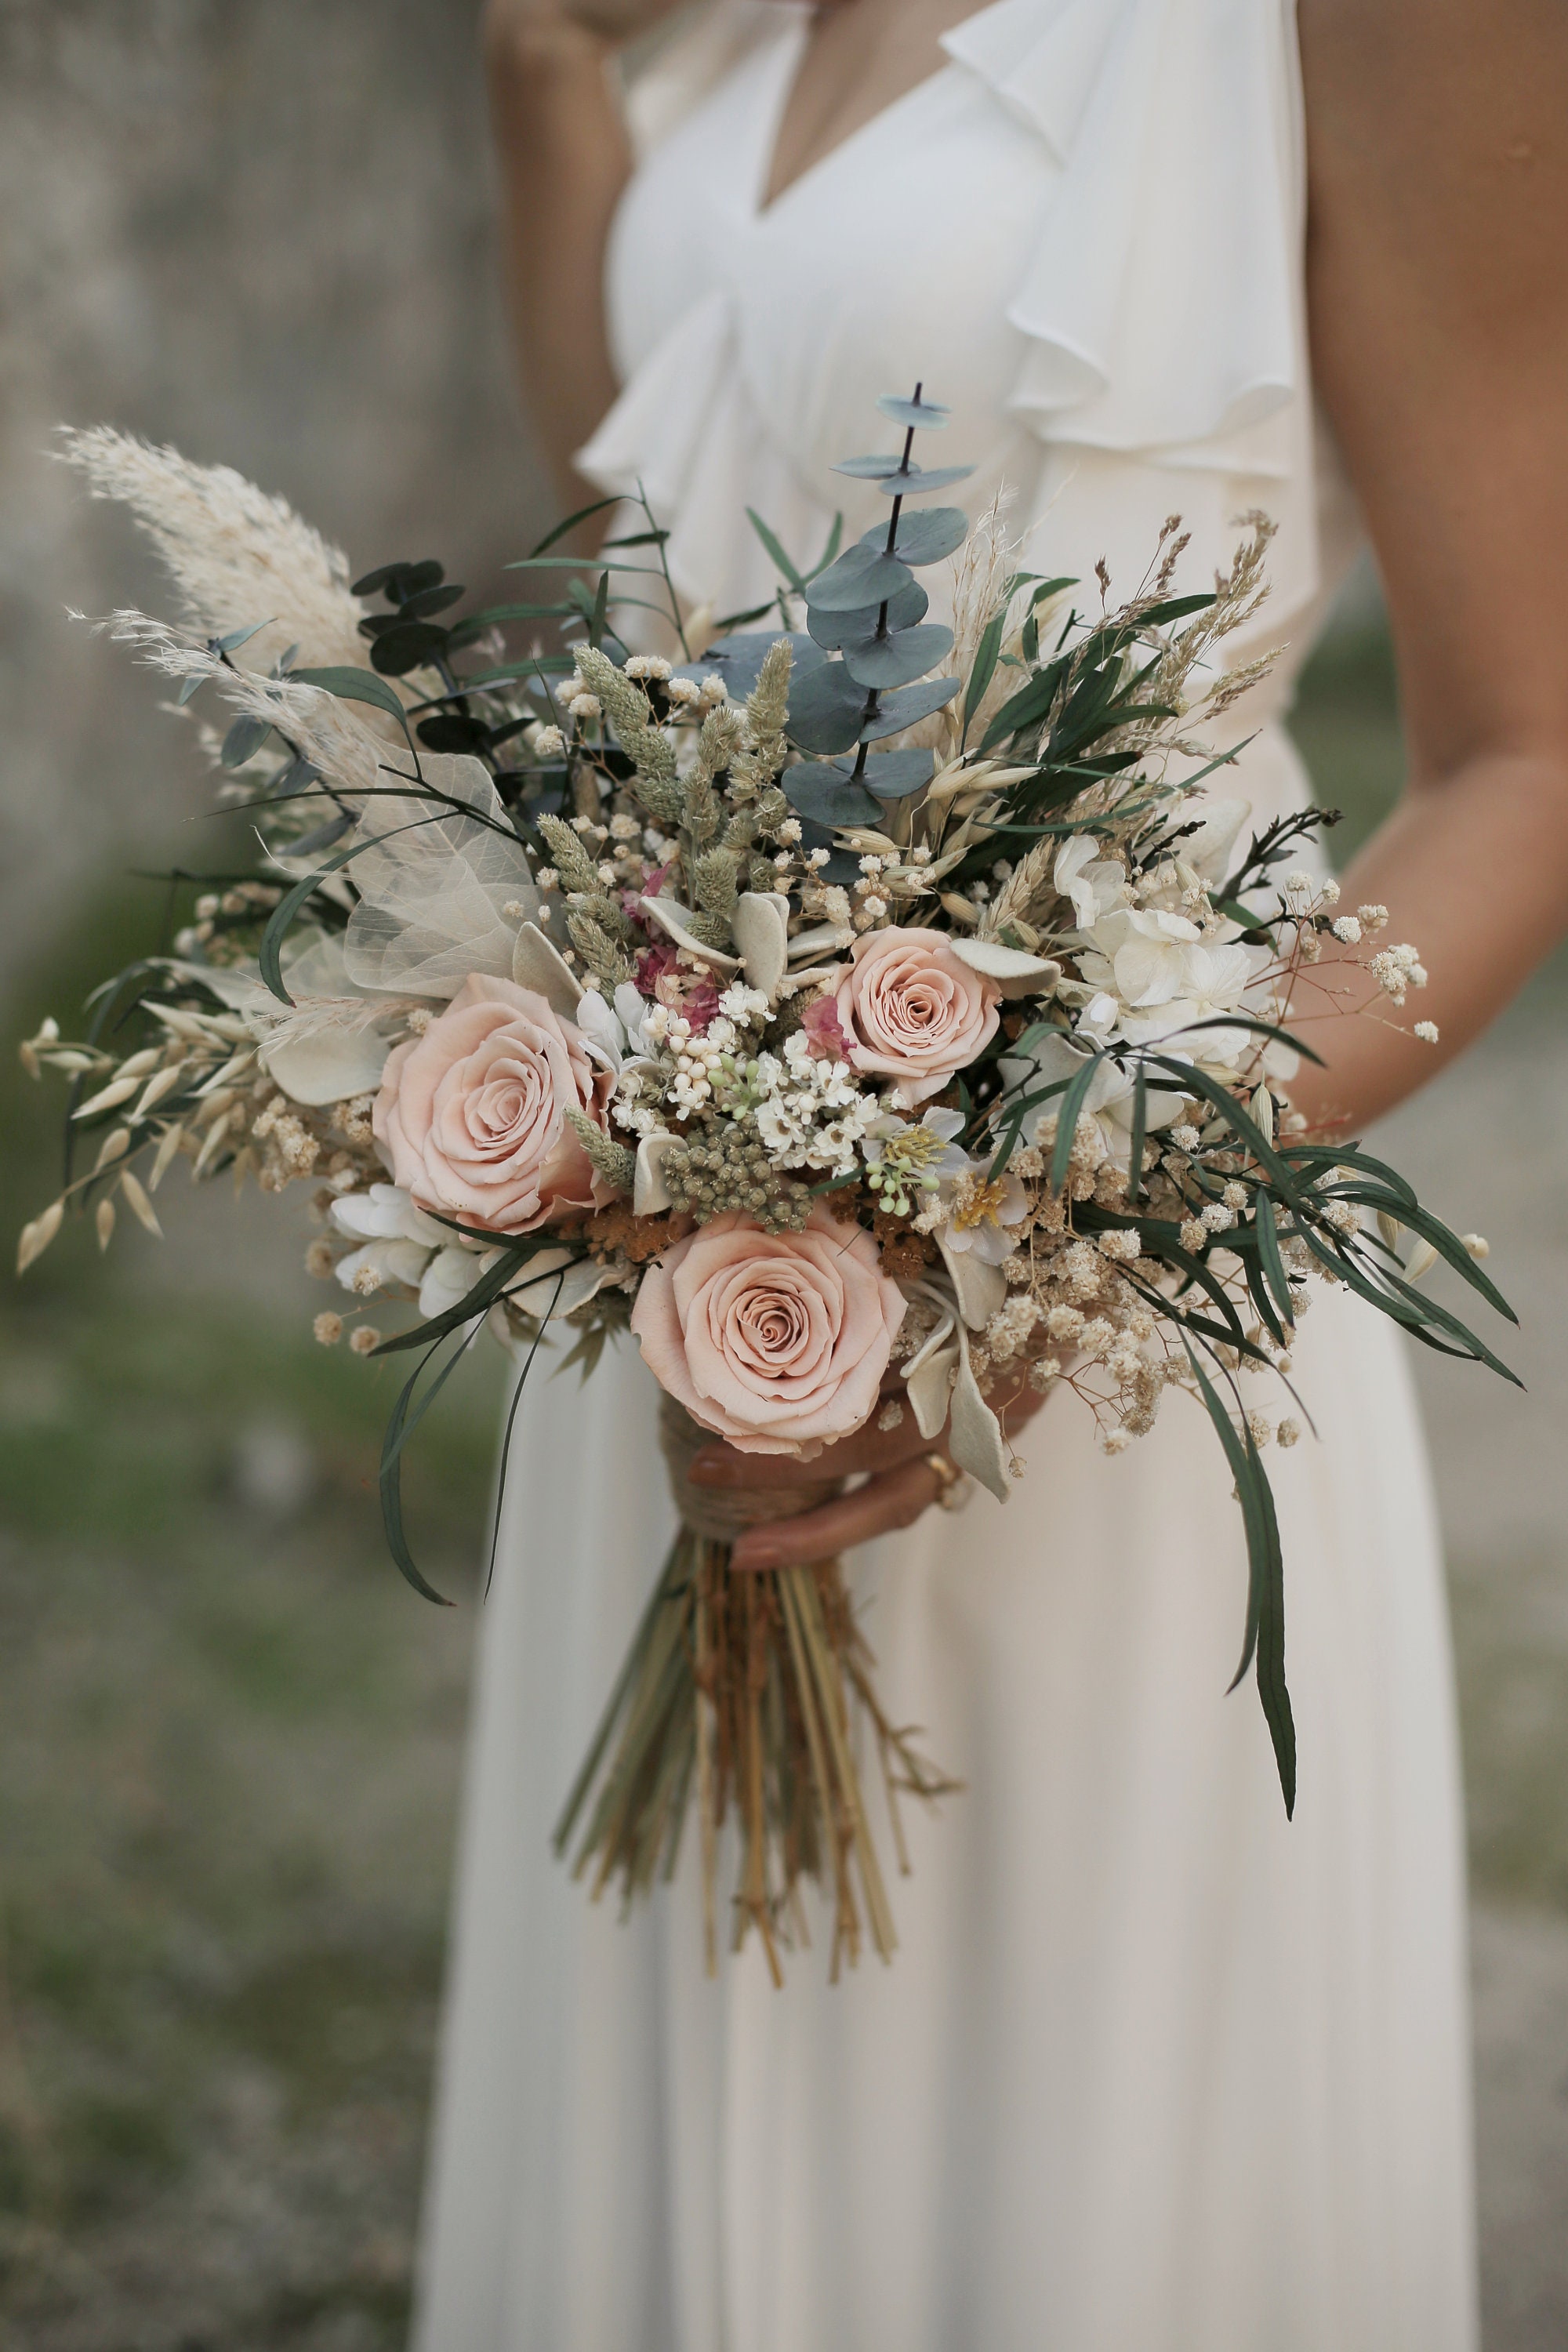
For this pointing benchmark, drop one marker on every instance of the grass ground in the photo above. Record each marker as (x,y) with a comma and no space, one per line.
(230,1741)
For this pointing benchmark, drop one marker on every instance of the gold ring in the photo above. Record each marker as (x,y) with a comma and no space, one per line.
(953,1484)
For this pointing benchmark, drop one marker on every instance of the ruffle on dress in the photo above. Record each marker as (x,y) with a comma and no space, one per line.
(1162,307)
(1158,302)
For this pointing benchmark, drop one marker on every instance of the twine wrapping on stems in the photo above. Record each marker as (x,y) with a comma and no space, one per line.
(722,1513)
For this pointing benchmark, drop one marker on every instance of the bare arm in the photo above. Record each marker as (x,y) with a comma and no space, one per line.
(564,159)
(1438,283)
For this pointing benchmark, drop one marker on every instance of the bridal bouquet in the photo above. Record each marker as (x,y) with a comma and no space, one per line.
(874,1016)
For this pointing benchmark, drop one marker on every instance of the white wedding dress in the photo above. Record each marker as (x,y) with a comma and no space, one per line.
(1154,2070)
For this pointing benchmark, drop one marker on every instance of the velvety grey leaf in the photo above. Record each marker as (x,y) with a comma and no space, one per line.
(825,709)
(866,469)
(919,479)
(898,658)
(863,575)
(835,629)
(925,415)
(893,776)
(903,709)
(824,794)
(921,538)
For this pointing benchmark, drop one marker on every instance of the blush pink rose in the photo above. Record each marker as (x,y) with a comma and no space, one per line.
(776,1341)
(472,1115)
(914,1011)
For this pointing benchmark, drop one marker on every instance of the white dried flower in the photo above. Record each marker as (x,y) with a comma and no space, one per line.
(1347,930)
(1476,1244)
(1288,1433)
(649,666)
(1427,1031)
(584,707)
(328,1328)
(364,1338)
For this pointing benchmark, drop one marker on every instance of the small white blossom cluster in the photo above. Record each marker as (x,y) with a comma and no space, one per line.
(1395,970)
(809,1112)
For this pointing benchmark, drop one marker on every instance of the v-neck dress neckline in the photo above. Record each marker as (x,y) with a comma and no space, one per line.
(792,56)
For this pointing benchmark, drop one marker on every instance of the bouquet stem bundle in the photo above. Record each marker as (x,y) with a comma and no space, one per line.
(755,1689)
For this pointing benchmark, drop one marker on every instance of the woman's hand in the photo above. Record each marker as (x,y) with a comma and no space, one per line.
(902,1484)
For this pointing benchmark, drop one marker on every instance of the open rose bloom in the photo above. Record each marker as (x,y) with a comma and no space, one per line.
(913,1010)
(472,1115)
(775,1342)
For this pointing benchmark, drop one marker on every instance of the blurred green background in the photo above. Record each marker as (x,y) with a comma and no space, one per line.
(230,1737)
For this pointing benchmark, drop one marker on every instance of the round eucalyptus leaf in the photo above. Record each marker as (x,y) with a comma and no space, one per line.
(866,469)
(900,711)
(827,795)
(925,415)
(835,629)
(893,776)
(921,538)
(826,710)
(862,575)
(400,581)
(405,647)
(898,657)
(739,660)
(431,601)
(918,478)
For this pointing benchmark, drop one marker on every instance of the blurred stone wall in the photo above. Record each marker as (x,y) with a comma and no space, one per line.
(259,229)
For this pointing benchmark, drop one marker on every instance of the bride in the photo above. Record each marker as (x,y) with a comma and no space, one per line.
(1154,2070)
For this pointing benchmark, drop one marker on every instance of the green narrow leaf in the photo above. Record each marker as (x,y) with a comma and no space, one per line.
(391,1482)
(244,739)
(238,638)
(1270,1263)
(281,919)
(1073,1100)
(354,685)
(1195,1081)
(279,924)
(554,538)
(830,552)
(1135,1148)
(598,618)
(983,671)
(775,552)
(485,1292)
(545,1321)
(1264,1635)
